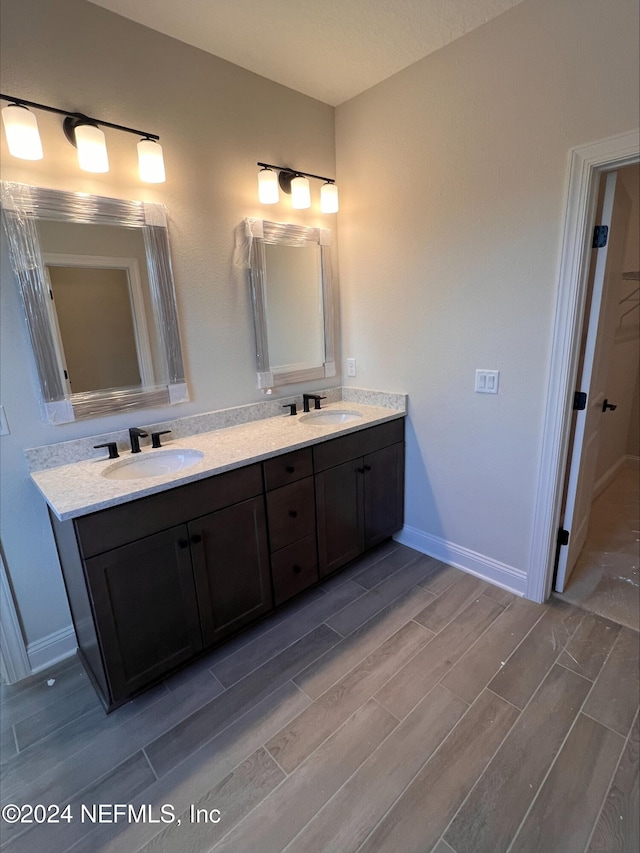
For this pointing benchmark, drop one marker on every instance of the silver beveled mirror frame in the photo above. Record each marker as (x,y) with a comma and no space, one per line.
(22,207)
(259,232)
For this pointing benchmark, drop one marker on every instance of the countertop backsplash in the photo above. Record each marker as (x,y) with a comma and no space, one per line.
(81,449)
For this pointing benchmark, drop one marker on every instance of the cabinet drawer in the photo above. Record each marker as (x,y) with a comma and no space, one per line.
(288,468)
(118,525)
(294,568)
(291,513)
(339,450)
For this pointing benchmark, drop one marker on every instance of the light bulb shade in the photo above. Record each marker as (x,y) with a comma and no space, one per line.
(150,162)
(21,130)
(329,198)
(300,193)
(268,191)
(92,148)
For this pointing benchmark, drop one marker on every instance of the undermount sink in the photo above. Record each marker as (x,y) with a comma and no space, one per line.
(329,417)
(154,463)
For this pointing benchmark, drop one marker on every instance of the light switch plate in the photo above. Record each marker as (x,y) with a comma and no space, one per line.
(487,381)
(351,367)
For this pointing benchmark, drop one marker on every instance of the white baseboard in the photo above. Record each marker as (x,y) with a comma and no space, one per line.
(607,478)
(499,574)
(52,649)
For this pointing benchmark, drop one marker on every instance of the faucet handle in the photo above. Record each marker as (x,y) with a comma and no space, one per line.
(293,410)
(317,398)
(112,448)
(155,437)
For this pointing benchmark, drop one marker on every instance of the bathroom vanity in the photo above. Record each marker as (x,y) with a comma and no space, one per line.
(153,581)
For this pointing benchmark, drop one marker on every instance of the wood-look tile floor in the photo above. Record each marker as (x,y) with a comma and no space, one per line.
(402,706)
(606,578)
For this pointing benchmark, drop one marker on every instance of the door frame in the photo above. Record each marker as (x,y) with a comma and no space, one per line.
(587,163)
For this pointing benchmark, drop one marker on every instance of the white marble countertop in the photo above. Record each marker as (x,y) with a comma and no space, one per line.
(80,488)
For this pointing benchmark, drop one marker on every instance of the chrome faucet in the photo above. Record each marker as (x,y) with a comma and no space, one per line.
(135,435)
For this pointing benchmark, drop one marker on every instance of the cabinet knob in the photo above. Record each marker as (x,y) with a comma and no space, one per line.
(367,467)
(293,513)
(297,570)
(290,469)
(197,537)
(183,543)
(360,470)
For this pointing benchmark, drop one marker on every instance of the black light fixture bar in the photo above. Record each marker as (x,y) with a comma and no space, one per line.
(80,117)
(296,172)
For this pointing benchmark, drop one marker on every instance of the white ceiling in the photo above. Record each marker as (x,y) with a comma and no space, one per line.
(329,49)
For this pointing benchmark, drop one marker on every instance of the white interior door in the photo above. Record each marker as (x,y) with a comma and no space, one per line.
(593,379)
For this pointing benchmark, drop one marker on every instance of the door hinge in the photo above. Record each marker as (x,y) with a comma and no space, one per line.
(66,375)
(579,401)
(51,293)
(600,234)
(563,536)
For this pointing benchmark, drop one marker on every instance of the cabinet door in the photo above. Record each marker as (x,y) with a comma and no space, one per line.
(231,567)
(383,493)
(145,608)
(340,515)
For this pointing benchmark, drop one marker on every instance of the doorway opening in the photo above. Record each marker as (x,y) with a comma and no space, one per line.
(598,567)
(588,162)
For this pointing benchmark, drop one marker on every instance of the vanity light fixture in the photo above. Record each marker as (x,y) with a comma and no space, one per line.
(21,130)
(300,193)
(295,184)
(268,191)
(84,132)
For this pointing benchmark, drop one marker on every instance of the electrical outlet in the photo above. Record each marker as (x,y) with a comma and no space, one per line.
(351,367)
(487,381)
(4,426)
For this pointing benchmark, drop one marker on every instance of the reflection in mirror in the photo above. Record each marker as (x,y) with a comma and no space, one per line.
(96,281)
(294,306)
(290,274)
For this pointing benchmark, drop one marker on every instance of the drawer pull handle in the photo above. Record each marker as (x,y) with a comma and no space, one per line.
(297,570)
(293,513)
(183,543)
(290,469)
(197,537)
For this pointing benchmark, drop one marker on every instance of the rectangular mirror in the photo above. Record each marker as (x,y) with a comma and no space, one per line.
(97,287)
(291,288)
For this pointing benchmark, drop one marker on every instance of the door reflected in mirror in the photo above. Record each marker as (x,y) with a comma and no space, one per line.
(96,333)
(97,286)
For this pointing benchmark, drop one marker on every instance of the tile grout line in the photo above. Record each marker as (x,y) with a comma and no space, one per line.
(364,702)
(302,763)
(372,651)
(224,728)
(429,759)
(283,649)
(613,776)
(566,738)
(346,781)
(476,641)
(324,622)
(520,713)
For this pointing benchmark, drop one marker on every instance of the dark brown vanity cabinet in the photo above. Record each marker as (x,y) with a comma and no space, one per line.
(154,581)
(291,516)
(146,612)
(231,568)
(359,485)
